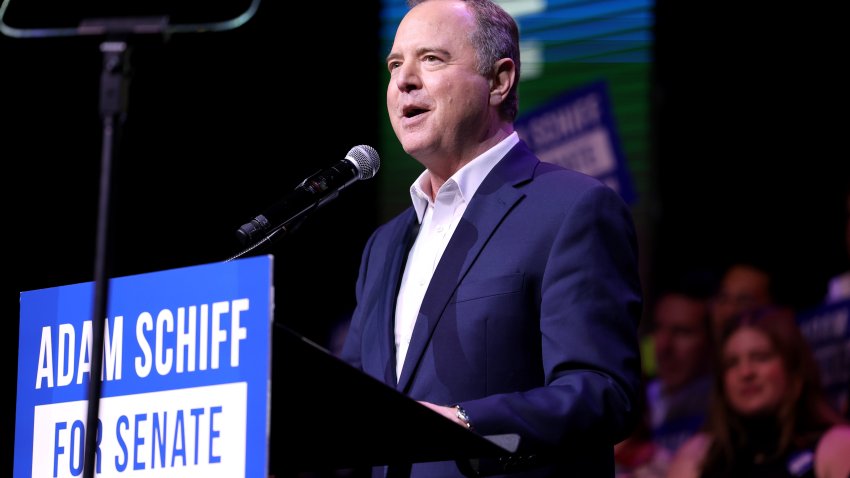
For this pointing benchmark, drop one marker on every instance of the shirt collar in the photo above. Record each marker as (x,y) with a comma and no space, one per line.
(468,178)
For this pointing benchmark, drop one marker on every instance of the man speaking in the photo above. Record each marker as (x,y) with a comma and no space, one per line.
(507,297)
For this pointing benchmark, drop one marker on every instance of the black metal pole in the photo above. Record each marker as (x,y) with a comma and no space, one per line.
(113,101)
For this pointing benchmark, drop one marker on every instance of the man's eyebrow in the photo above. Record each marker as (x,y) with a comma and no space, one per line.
(419,52)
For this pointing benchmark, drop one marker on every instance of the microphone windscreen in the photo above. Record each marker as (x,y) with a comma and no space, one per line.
(366,159)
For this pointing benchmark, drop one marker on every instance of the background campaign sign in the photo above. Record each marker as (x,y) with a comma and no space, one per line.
(186,370)
(577,130)
(827,329)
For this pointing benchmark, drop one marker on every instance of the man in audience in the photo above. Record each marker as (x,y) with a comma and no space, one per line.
(744,286)
(677,398)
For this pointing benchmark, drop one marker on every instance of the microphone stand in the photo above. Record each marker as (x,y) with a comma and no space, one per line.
(113,108)
(275,234)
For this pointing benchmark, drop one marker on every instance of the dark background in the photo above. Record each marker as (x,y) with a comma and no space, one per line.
(748,158)
(750,149)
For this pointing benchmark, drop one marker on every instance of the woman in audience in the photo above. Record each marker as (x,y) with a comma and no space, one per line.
(768,415)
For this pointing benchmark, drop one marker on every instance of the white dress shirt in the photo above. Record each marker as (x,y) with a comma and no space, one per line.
(438,219)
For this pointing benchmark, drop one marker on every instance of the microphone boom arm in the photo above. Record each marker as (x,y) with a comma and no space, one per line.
(362,162)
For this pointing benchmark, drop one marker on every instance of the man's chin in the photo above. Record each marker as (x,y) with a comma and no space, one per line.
(414,147)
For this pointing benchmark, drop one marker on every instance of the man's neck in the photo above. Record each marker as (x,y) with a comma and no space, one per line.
(441,169)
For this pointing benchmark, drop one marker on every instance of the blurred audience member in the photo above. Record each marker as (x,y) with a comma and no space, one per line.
(768,415)
(677,397)
(677,382)
(743,286)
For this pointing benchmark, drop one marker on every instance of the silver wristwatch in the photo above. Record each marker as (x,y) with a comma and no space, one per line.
(463,417)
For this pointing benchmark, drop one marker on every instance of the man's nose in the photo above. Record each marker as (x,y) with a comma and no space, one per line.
(407,77)
(662,341)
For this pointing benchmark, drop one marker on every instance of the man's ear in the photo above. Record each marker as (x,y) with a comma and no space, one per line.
(504,76)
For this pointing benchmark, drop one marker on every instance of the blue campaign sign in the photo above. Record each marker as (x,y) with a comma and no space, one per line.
(186,371)
(577,130)
(827,330)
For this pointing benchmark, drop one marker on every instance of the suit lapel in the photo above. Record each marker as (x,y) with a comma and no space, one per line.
(402,239)
(493,200)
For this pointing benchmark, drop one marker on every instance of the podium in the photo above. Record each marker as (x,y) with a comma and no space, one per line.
(328,415)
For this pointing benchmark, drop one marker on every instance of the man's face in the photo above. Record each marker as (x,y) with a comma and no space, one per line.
(436,99)
(681,340)
(743,288)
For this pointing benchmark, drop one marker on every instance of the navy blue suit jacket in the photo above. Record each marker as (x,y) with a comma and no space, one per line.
(530,320)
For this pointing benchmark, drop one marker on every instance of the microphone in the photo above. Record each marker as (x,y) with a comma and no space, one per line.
(361,162)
